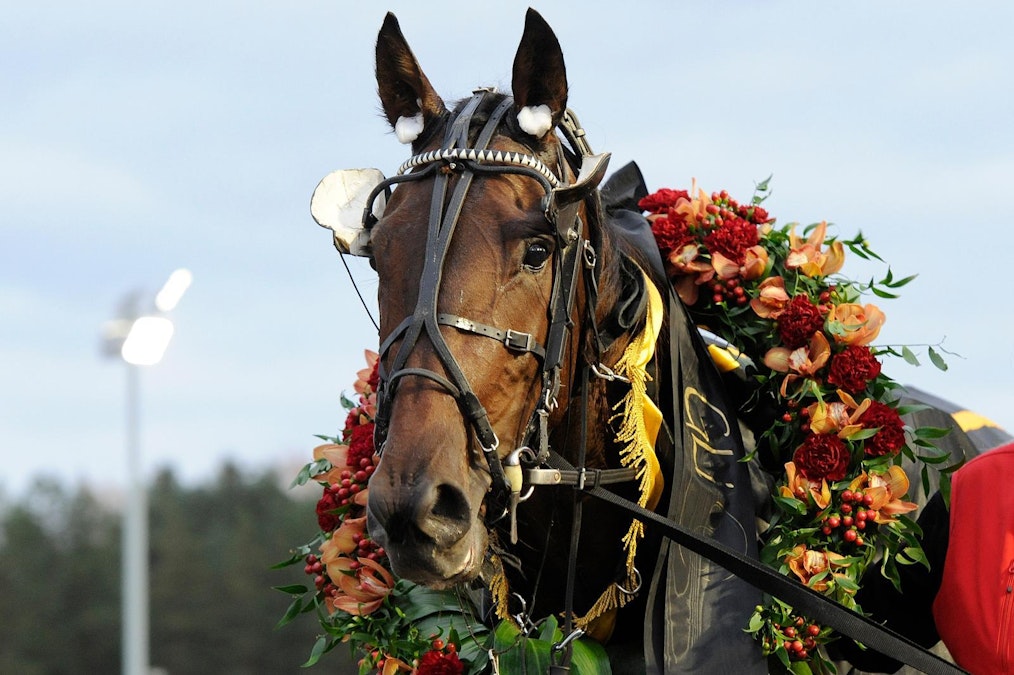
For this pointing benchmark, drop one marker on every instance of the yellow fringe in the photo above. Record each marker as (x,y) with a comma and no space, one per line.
(640,422)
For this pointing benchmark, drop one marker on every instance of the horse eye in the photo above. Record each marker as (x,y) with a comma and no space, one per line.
(536,256)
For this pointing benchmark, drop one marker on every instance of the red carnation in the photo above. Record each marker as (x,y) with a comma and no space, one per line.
(891,436)
(671,233)
(853,368)
(800,320)
(732,238)
(361,444)
(326,518)
(439,663)
(755,214)
(658,202)
(822,456)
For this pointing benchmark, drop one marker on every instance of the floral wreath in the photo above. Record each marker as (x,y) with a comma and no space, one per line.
(838,504)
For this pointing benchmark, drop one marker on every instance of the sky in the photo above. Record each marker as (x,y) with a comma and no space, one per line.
(136,138)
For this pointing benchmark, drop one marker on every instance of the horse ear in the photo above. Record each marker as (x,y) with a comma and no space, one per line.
(540,77)
(408,99)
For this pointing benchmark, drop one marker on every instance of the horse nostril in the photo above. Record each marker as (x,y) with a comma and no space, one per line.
(450,503)
(448,517)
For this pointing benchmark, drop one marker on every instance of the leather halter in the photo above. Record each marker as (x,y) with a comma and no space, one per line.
(574,253)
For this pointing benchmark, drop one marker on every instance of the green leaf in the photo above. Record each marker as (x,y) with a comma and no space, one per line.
(294,610)
(931,432)
(937,360)
(909,356)
(294,589)
(318,650)
(589,658)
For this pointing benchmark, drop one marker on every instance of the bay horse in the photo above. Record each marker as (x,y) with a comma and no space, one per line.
(508,297)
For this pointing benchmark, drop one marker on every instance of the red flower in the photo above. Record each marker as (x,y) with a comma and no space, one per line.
(671,234)
(891,437)
(440,663)
(822,456)
(853,368)
(755,214)
(800,320)
(658,202)
(361,444)
(732,238)
(326,518)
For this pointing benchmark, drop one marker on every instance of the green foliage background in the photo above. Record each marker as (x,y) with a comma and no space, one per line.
(211,549)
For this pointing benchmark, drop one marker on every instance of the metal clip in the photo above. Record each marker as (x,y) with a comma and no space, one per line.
(606,373)
(590,257)
(565,642)
(518,341)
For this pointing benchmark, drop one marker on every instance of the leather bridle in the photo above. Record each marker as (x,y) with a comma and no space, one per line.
(575,257)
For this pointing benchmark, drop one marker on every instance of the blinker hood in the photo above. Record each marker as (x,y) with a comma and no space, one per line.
(339,204)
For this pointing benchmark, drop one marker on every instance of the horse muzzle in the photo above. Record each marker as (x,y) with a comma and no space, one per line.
(430,532)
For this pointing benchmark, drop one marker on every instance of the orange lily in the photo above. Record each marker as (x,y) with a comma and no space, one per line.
(338,455)
(853,324)
(695,209)
(808,257)
(806,564)
(690,270)
(840,418)
(362,384)
(755,261)
(344,540)
(799,486)
(772,299)
(887,490)
(362,590)
(803,362)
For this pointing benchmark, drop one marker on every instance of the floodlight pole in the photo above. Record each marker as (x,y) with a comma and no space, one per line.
(139,339)
(135,541)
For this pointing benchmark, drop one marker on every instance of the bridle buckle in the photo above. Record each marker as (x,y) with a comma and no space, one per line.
(518,341)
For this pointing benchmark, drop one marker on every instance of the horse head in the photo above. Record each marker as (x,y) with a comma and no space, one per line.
(487,233)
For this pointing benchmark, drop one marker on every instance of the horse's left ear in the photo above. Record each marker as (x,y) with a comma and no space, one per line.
(540,77)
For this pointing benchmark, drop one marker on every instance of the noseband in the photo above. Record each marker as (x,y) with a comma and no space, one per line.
(561,204)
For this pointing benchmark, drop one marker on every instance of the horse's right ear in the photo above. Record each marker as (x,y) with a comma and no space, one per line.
(409,101)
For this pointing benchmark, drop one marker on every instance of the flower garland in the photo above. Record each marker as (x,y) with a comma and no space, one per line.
(838,501)
(393,625)
(838,439)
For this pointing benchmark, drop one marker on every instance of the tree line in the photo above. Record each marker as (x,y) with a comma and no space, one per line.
(211,553)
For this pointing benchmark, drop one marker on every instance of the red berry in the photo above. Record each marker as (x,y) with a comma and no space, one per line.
(850,535)
(364,462)
(718,298)
(861,525)
(859,541)
(308,569)
(810,643)
(797,646)
(847,521)
(833,522)
(787,417)
(871,514)
(826,529)
(438,644)
(846,508)
(802,654)
(867,500)
(847,496)
(861,515)
(790,632)
(813,629)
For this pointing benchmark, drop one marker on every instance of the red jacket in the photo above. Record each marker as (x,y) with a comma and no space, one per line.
(974,608)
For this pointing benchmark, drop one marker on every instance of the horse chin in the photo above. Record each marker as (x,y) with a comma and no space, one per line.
(438,567)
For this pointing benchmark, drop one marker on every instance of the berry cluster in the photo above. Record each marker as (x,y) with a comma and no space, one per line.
(853,518)
(730,292)
(351,483)
(799,638)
